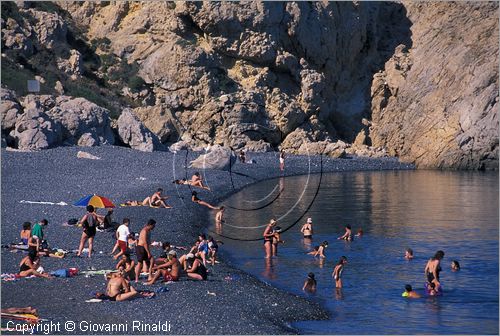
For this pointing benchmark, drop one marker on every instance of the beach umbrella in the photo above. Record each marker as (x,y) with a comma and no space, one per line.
(96,201)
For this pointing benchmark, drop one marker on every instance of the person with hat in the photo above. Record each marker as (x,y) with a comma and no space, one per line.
(170,269)
(268,237)
(307,229)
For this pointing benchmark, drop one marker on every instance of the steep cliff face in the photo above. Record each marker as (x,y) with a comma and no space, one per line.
(269,75)
(436,103)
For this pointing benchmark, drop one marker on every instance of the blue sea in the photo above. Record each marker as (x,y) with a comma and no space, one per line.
(457,212)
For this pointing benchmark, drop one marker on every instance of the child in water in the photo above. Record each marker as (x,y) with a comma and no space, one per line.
(409,254)
(310,283)
(409,293)
(455,266)
(319,250)
(348,234)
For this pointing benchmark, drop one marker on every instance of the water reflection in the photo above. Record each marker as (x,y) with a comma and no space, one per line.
(425,211)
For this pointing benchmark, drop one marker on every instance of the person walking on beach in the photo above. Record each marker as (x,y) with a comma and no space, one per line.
(142,251)
(156,200)
(337,272)
(282,160)
(433,267)
(89,224)
(268,237)
(307,230)
(122,234)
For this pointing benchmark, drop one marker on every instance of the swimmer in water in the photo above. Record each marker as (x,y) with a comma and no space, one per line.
(319,250)
(337,272)
(310,284)
(360,233)
(408,254)
(455,266)
(348,234)
(432,289)
(409,293)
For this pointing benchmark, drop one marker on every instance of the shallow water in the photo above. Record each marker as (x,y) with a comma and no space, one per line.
(426,210)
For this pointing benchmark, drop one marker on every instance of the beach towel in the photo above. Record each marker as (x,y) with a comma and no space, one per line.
(61,273)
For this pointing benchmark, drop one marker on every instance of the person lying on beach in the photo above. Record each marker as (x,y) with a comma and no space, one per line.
(348,234)
(337,272)
(156,200)
(409,293)
(195,270)
(319,250)
(128,266)
(25,233)
(310,284)
(195,199)
(29,266)
(195,181)
(170,269)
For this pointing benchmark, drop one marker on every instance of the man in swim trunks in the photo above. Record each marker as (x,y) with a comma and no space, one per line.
(156,200)
(307,230)
(142,249)
(170,269)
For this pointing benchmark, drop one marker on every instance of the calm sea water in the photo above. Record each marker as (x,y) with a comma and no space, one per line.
(456,212)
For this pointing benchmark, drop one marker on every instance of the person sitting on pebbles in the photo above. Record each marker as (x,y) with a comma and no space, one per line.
(171,269)
(195,199)
(195,181)
(156,200)
(30,265)
(119,289)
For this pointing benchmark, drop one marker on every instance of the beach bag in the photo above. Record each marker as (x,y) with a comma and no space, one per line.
(61,273)
(72,221)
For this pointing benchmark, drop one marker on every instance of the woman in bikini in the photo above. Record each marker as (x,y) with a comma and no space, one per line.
(268,237)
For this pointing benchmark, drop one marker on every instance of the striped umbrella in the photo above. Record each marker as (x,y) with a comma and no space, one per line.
(96,201)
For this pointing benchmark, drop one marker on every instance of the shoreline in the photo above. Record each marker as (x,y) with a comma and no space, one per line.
(241,306)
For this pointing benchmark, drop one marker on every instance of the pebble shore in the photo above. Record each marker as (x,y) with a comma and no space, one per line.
(241,304)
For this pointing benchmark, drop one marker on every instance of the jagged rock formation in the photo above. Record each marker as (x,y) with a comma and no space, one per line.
(339,78)
(133,133)
(437,103)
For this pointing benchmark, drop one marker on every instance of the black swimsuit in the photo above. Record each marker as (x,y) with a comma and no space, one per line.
(23,268)
(430,275)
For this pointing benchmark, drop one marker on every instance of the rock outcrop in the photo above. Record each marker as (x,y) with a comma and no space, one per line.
(414,80)
(436,103)
(133,133)
(217,158)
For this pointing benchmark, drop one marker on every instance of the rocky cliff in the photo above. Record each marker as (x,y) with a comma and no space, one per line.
(415,80)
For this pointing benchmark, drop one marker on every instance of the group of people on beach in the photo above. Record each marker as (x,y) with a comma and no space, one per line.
(169,266)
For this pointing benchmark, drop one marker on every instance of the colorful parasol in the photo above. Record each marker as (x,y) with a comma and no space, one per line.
(96,201)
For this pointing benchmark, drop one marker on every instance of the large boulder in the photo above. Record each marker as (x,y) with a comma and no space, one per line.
(35,130)
(134,134)
(9,109)
(218,157)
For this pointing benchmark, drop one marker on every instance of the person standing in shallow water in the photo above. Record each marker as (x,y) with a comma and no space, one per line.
(307,230)
(282,160)
(268,237)
(337,272)
(433,268)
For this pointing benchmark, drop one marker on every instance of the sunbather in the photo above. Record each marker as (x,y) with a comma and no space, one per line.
(29,266)
(194,198)
(156,200)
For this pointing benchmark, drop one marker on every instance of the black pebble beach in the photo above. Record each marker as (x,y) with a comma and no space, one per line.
(243,305)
